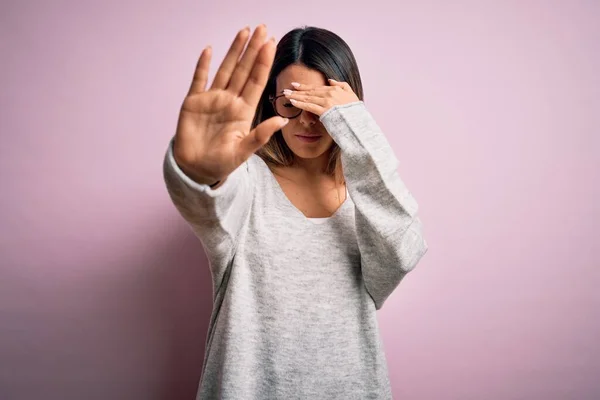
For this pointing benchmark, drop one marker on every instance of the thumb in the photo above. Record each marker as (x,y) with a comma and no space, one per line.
(260,135)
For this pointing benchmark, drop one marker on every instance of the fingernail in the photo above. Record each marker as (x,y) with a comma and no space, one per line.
(295,84)
(287,92)
(284,122)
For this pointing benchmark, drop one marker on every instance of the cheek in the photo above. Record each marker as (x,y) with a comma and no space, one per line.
(295,126)
(322,129)
(285,131)
(291,127)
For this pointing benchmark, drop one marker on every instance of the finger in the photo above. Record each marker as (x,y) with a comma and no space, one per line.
(303,87)
(201,73)
(260,135)
(244,67)
(320,91)
(255,85)
(313,108)
(318,100)
(229,62)
(343,85)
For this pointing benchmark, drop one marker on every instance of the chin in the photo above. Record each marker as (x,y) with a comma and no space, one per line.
(307,155)
(309,152)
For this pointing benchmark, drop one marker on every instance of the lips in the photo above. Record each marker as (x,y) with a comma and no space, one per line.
(309,139)
(307,135)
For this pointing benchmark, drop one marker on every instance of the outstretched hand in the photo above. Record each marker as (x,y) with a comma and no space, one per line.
(214,133)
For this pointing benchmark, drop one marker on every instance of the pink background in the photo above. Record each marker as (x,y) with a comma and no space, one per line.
(492,108)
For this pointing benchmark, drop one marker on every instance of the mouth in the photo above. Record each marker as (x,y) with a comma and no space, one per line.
(308,138)
(309,135)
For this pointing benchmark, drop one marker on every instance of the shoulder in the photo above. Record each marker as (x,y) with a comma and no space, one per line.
(257,167)
(256,162)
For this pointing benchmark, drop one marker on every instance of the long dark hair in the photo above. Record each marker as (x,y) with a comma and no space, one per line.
(317,49)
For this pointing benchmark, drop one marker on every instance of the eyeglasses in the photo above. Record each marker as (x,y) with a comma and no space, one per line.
(283,107)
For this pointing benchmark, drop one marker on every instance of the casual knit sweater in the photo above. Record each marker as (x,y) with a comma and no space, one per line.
(295,300)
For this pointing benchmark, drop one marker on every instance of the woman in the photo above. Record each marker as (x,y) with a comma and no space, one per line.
(258,167)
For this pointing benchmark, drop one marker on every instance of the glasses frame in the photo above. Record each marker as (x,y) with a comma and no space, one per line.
(273,100)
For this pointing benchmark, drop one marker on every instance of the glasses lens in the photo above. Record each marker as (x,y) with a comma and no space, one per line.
(284,108)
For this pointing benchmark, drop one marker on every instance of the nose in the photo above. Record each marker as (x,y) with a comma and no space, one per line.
(307,118)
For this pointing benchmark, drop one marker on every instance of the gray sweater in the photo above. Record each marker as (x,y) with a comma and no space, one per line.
(294,301)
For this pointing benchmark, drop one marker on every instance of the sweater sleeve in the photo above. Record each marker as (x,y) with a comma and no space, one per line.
(389,232)
(216,216)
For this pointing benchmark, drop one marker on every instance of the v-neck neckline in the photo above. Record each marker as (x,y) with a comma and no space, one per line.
(281,194)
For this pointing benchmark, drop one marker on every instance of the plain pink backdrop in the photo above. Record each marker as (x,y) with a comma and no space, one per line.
(492,107)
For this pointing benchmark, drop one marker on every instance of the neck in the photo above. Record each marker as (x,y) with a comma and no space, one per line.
(311,167)
(308,171)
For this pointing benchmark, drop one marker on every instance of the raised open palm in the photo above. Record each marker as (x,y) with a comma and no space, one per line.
(213,134)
